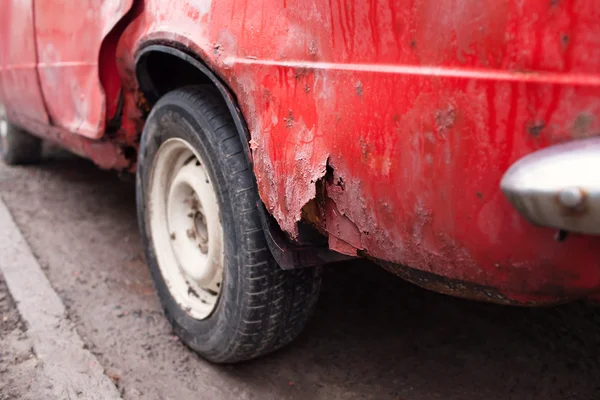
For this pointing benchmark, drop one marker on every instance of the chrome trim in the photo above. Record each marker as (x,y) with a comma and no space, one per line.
(558,186)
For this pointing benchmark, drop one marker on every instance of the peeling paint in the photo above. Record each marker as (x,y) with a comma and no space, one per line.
(358,88)
(380,131)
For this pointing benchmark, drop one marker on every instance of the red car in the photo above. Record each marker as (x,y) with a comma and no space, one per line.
(454,142)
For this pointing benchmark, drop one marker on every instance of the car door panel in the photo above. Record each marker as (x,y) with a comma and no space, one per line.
(70,34)
(20,93)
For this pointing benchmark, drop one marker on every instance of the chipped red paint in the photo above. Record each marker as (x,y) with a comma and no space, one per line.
(409,112)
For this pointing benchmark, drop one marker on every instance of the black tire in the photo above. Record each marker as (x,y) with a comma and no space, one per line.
(261,307)
(18,147)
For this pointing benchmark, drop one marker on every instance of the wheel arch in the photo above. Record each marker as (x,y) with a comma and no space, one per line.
(190,69)
(160,68)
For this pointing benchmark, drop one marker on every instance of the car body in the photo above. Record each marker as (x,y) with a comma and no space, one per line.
(386,126)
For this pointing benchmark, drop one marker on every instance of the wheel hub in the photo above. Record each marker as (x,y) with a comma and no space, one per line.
(186,228)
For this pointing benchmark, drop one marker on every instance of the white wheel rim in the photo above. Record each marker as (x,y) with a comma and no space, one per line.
(3,131)
(186,230)
(3,123)
(3,128)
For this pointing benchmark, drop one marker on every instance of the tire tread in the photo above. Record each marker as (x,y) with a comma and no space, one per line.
(275,304)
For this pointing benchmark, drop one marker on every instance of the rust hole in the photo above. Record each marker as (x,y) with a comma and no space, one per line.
(535,128)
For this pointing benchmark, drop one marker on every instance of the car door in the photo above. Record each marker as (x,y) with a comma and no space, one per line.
(70,35)
(20,92)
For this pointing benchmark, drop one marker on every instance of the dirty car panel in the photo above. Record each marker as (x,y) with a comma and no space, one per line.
(389,124)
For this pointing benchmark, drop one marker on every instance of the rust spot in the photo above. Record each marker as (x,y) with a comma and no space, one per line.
(311,213)
(217,49)
(195,203)
(413,43)
(535,128)
(142,103)
(385,209)
(358,87)
(445,119)
(564,40)
(365,149)
(312,48)
(192,292)
(289,120)
(479,195)
(582,124)
(299,72)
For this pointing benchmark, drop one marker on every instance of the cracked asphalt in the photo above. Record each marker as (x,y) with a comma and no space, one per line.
(373,336)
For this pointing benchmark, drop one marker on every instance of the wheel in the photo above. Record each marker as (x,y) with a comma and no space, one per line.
(18,147)
(223,293)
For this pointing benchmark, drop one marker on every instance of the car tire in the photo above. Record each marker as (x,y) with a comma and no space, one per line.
(18,147)
(218,283)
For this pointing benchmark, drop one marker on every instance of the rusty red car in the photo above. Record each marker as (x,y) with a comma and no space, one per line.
(454,142)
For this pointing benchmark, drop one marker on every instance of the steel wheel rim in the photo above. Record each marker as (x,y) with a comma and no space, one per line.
(3,131)
(185,227)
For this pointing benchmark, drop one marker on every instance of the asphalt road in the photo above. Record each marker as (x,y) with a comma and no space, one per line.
(373,336)
(17,361)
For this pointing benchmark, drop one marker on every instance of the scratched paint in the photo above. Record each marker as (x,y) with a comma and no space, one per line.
(407,112)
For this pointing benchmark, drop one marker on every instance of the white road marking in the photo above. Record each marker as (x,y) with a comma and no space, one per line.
(72,370)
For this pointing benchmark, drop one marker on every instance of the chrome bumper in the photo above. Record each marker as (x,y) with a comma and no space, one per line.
(558,186)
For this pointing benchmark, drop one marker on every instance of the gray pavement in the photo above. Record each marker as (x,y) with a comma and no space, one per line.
(64,365)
